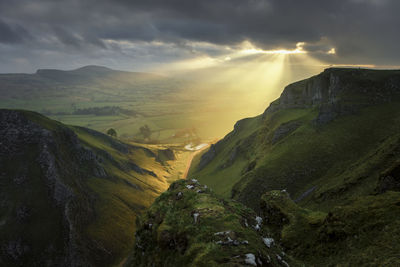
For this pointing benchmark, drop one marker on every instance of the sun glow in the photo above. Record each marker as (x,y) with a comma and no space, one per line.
(252,50)
(242,82)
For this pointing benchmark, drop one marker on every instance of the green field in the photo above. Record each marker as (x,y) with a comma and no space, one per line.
(186,108)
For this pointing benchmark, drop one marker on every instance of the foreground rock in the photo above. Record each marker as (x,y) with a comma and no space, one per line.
(363,232)
(189,226)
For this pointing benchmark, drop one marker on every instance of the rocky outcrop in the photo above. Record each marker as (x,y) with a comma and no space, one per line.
(389,179)
(42,156)
(65,190)
(339,91)
(189,226)
(341,236)
(44,167)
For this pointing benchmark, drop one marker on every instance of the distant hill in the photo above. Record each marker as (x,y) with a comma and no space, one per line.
(45,79)
(89,73)
(60,94)
(69,196)
(333,143)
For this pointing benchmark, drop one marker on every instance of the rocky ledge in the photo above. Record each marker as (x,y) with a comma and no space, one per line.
(189,226)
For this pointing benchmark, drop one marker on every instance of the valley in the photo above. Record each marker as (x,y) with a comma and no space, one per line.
(321,165)
(312,181)
(176,109)
(171,133)
(88,190)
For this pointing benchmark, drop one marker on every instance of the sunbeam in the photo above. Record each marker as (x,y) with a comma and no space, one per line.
(242,83)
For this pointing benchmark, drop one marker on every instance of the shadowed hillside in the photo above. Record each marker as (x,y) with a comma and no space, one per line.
(69,195)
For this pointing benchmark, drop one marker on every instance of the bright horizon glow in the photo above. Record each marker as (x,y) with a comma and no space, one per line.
(252,50)
(243,81)
(240,83)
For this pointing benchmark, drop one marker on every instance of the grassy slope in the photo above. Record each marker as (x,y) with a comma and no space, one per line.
(339,155)
(116,198)
(334,170)
(362,232)
(222,179)
(118,203)
(168,235)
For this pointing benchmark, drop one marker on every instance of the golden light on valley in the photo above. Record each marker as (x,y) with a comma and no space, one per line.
(242,82)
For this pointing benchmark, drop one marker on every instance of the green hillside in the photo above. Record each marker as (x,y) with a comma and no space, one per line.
(69,195)
(313,181)
(98,98)
(337,131)
(333,143)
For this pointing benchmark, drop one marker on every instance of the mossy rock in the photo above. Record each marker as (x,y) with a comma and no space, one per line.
(189,226)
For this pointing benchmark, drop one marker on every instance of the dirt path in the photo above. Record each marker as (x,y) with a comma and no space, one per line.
(121,264)
(188,163)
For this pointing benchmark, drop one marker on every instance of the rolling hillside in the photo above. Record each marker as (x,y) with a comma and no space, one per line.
(69,195)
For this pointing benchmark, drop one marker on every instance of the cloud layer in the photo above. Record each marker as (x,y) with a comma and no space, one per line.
(140,34)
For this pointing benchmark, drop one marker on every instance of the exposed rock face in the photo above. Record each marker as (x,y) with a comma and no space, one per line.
(45,167)
(37,155)
(64,190)
(389,180)
(276,207)
(332,142)
(338,92)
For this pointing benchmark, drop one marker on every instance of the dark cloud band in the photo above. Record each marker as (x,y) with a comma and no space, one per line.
(361,31)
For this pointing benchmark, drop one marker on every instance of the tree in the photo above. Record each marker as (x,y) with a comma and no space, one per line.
(73,106)
(145,131)
(112,132)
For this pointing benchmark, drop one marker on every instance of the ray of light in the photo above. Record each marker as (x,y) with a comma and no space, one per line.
(241,84)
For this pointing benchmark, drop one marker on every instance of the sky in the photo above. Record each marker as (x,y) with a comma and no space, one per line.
(143,35)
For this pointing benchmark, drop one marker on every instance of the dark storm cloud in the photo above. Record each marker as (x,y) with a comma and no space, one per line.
(361,31)
(12,34)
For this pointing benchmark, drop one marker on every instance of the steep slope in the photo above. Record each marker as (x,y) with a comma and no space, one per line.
(189,226)
(329,149)
(326,138)
(361,232)
(69,196)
